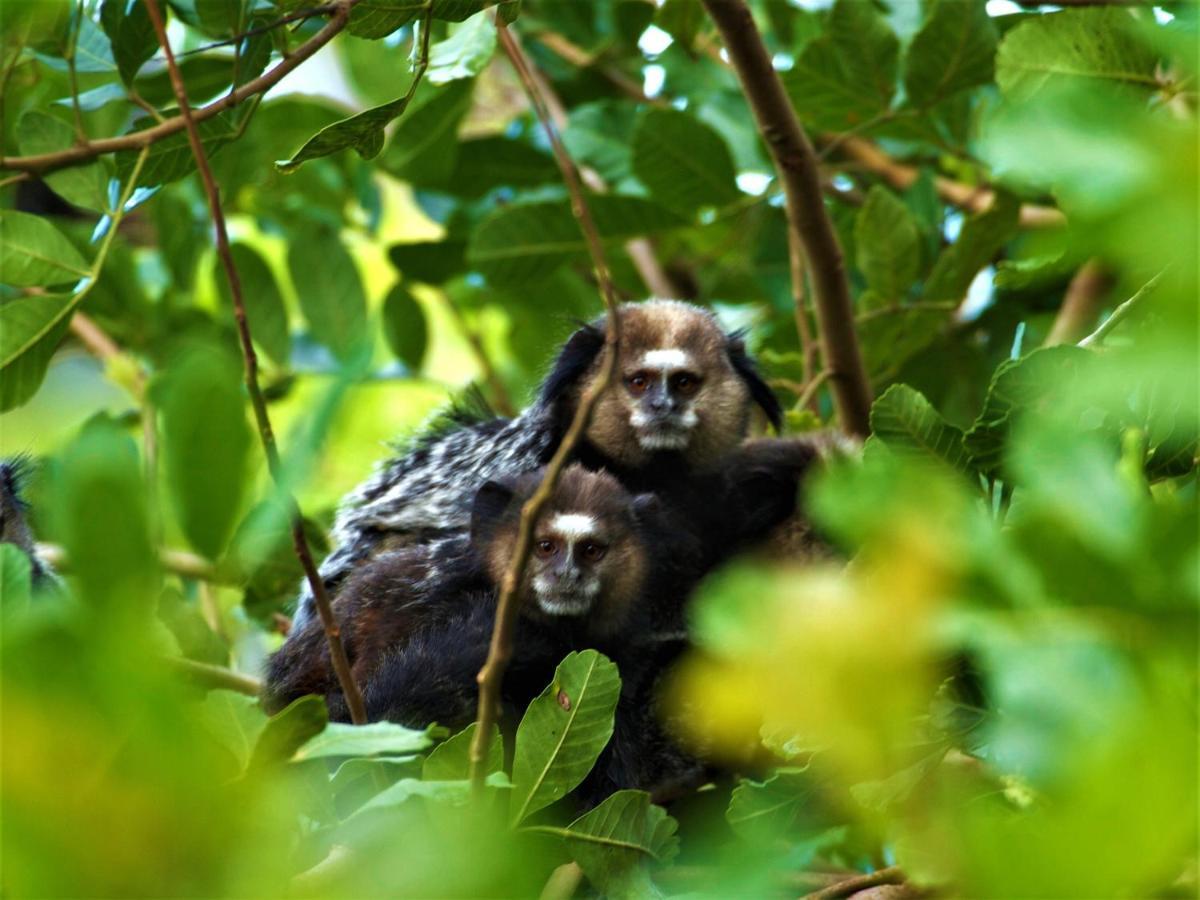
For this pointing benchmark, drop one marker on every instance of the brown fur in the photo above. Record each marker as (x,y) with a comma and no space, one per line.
(722,402)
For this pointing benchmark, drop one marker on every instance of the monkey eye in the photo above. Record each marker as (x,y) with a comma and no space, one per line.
(638,382)
(593,552)
(686,383)
(544,548)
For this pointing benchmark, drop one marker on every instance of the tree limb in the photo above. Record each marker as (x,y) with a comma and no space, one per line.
(971,199)
(215,677)
(41,163)
(337,652)
(796,164)
(500,648)
(1096,338)
(1081,304)
(890,875)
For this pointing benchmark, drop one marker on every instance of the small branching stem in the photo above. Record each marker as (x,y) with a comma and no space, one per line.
(337,651)
(501,646)
(1096,338)
(215,677)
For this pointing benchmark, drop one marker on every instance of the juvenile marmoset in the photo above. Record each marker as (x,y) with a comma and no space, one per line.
(682,399)
(416,620)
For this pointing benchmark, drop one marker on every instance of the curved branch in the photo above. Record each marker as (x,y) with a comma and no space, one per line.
(796,164)
(337,652)
(215,677)
(500,648)
(42,163)
(1081,304)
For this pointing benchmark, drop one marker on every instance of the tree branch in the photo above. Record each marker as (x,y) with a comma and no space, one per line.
(1081,304)
(500,648)
(72,156)
(1096,338)
(796,164)
(890,875)
(971,199)
(215,677)
(337,652)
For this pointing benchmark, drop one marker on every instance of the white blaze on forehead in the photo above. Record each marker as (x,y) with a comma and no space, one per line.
(665,360)
(573,525)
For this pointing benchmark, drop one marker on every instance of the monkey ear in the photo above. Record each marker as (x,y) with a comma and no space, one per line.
(575,358)
(647,508)
(748,372)
(491,502)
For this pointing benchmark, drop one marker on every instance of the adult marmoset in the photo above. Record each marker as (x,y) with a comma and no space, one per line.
(681,402)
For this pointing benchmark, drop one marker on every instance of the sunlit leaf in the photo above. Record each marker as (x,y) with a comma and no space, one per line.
(450,760)
(33,253)
(376,739)
(563,731)
(465,52)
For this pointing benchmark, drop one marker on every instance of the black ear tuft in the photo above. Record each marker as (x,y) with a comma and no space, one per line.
(647,508)
(488,508)
(748,372)
(575,358)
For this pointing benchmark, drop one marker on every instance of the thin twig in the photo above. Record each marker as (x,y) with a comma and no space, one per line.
(73,77)
(796,165)
(499,393)
(105,349)
(337,652)
(808,396)
(808,347)
(139,140)
(500,648)
(1081,304)
(890,875)
(1096,338)
(215,677)
(297,16)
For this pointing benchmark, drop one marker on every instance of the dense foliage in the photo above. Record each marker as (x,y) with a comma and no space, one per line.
(998,693)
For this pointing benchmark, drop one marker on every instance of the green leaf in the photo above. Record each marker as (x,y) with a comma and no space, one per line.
(363,132)
(373,19)
(430,261)
(33,253)
(790,804)
(222,18)
(234,720)
(424,149)
(451,759)
(16,581)
(378,738)
(848,75)
(616,841)
(358,780)
(131,33)
(20,379)
(887,244)
(1017,386)
(292,728)
(484,163)
(264,303)
(330,291)
(464,53)
(206,444)
(563,731)
(404,327)
(683,162)
(980,240)
(529,241)
(682,20)
(600,135)
(85,186)
(910,427)
(953,51)
(171,158)
(892,335)
(262,556)
(1101,44)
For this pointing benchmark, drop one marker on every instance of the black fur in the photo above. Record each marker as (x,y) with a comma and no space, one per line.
(760,391)
(573,361)
(14,518)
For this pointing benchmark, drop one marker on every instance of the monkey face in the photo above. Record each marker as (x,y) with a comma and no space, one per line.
(567,570)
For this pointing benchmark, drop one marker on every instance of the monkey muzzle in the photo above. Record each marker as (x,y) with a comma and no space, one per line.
(565,593)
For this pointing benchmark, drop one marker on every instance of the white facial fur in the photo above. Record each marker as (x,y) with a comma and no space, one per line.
(573,526)
(666,361)
(572,529)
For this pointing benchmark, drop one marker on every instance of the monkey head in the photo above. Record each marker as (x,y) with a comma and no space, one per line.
(588,561)
(683,386)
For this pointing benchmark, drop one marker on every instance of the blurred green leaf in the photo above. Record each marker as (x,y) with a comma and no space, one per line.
(235,721)
(981,238)
(171,158)
(451,760)
(129,29)
(15,581)
(681,19)
(404,327)
(1101,43)
(85,186)
(789,804)
(600,135)
(465,52)
(330,290)
(376,739)
(909,426)
(265,311)
(886,240)
(528,241)
(563,731)
(683,162)
(33,253)
(430,261)
(290,729)
(223,18)
(424,149)
(954,50)
(847,76)
(206,444)
(20,378)
(484,163)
